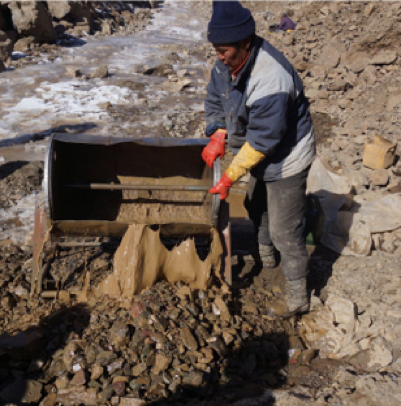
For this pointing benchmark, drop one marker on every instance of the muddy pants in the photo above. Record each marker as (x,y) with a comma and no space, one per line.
(277,209)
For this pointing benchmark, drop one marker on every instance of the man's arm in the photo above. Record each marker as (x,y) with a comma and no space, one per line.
(268,122)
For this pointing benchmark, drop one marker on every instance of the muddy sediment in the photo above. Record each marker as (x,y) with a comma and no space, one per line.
(142,259)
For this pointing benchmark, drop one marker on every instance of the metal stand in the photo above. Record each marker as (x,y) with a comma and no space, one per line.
(225,236)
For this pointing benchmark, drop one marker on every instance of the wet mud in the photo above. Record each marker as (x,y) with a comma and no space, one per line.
(142,259)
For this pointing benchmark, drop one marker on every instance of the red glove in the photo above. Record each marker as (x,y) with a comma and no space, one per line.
(222,187)
(215,147)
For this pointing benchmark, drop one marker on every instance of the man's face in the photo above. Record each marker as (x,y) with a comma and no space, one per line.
(232,56)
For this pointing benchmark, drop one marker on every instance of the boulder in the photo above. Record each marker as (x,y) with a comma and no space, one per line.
(77,11)
(384,57)
(6,47)
(32,18)
(22,391)
(24,44)
(101,72)
(379,177)
(394,101)
(330,56)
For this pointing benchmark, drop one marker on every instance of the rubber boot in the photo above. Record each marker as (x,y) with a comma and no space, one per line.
(296,301)
(267,257)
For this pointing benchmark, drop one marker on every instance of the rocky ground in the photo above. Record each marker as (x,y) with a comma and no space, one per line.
(171,345)
(40,30)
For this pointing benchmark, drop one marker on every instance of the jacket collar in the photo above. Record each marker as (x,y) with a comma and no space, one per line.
(244,73)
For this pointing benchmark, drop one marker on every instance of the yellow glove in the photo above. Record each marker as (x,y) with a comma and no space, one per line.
(245,160)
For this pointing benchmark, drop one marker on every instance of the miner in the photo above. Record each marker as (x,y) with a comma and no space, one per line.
(255,99)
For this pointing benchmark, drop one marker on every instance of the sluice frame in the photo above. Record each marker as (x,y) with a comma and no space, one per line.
(74,173)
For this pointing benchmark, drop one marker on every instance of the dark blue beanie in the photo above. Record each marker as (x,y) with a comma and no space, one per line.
(230,23)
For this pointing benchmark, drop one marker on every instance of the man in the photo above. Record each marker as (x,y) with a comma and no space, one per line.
(286,23)
(256,99)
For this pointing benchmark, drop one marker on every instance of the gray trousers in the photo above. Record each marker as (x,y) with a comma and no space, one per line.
(277,209)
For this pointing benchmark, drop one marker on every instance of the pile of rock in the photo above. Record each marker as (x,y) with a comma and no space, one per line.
(19,179)
(170,343)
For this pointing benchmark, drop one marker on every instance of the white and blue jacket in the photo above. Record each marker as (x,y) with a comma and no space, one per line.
(264,105)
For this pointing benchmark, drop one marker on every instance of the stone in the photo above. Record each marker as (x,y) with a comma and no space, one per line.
(338,85)
(388,242)
(136,310)
(193,379)
(101,72)
(49,400)
(31,18)
(77,396)
(379,177)
(370,8)
(105,358)
(6,47)
(78,379)
(188,339)
(97,372)
(119,387)
(384,57)
(73,72)
(221,309)
(62,382)
(139,369)
(330,56)
(175,87)
(131,402)
(380,355)
(182,73)
(162,363)
(394,102)
(379,154)
(302,66)
(119,334)
(24,44)
(107,27)
(22,391)
(78,11)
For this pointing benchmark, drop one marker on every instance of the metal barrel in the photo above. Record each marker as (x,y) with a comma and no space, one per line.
(98,186)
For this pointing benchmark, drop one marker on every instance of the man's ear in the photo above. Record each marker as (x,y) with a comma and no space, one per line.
(247,43)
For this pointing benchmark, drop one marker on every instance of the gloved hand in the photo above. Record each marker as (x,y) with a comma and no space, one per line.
(215,147)
(222,187)
(245,160)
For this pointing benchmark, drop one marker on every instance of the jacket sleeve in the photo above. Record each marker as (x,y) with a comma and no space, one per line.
(214,112)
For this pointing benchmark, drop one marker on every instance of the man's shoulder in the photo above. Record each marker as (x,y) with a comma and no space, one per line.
(268,51)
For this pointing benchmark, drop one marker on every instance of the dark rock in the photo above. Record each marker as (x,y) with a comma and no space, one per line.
(22,391)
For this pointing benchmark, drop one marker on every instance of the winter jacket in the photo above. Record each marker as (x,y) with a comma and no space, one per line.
(286,24)
(264,105)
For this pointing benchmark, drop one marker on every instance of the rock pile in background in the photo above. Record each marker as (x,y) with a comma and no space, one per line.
(31,27)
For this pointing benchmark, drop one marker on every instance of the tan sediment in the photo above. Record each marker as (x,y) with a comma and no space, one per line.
(142,259)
